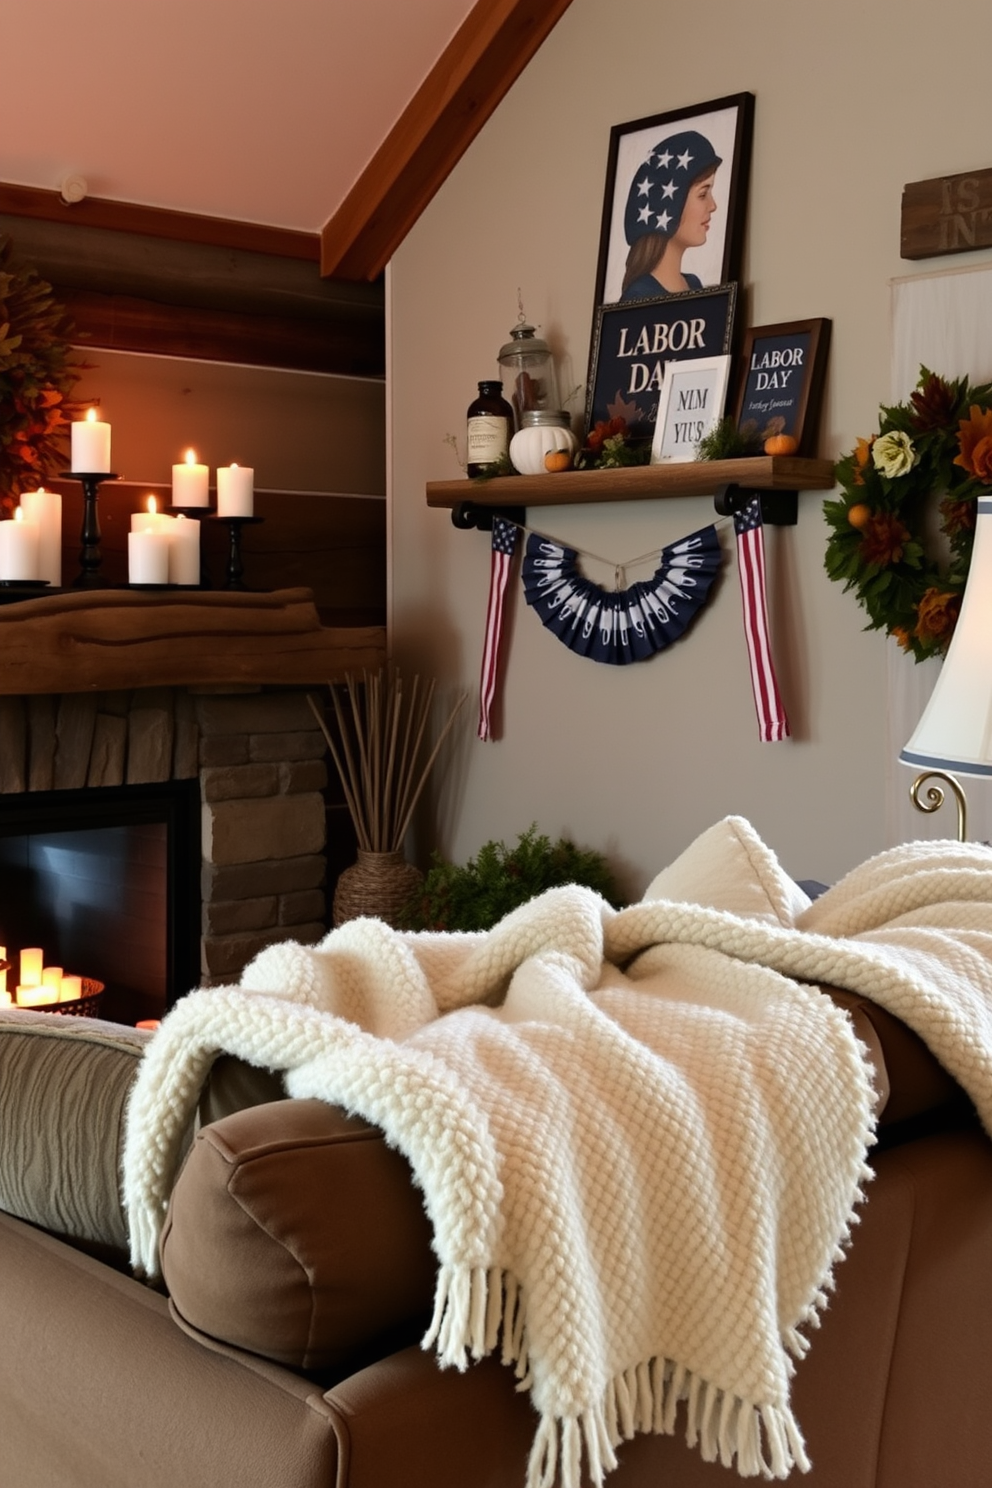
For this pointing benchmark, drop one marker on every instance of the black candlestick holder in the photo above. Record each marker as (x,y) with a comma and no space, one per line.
(90,557)
(235,567)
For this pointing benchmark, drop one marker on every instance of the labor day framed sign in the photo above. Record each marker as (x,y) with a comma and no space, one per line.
(632,343)
(782,382)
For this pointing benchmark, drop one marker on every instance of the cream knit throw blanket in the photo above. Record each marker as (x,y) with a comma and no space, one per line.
(640,1142)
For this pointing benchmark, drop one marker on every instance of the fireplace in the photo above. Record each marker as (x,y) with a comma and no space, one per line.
(193,823)
(106,883)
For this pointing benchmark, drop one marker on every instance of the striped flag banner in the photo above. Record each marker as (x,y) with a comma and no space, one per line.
(504,546)
(773,725)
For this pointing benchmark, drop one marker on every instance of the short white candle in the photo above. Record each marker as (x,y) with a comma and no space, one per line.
(90,443)
(184,550)
(151,519)
(148,557)
(235,491)
(34,995)
(32,960)
(190,482)
(19,547)
(6,998)
(51,976)
(71,989)
(45,508)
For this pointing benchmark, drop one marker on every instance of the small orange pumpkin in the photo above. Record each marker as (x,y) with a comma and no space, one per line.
(859,515)
(558,459)
(781,444)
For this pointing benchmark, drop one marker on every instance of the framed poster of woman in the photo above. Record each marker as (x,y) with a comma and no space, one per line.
(676,192)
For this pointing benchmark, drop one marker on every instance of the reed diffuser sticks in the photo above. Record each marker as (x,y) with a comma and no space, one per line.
(379,751)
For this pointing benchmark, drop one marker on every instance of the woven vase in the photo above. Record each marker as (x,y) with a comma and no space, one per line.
(380,884)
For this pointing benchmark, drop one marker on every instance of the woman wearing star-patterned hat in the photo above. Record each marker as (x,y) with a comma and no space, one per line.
(669,206)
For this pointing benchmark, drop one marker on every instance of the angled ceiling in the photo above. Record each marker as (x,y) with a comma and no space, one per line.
(331,121)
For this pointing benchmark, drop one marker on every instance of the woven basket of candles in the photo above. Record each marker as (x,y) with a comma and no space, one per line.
(85,1006)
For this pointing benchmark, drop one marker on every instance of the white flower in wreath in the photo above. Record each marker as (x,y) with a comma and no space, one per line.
(893,454)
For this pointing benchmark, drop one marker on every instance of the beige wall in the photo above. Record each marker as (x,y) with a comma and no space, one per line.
(300,431)
(852,101)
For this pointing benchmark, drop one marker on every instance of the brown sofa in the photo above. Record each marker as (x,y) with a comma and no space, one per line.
(299,1272)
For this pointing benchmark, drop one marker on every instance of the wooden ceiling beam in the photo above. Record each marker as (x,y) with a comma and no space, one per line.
(158,222)
(484,58)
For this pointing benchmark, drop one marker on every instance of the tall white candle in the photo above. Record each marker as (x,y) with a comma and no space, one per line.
(235,490)
(19,547)
(190,482)
(148,557)
(32,959)
(45,508)
(184,550)
(90,445)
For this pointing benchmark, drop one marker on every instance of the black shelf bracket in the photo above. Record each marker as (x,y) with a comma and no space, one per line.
(474,514)
(778,508)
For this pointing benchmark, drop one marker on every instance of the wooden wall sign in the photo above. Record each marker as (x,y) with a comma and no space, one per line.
(950,214)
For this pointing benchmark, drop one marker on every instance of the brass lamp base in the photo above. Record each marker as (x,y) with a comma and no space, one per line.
(935,797)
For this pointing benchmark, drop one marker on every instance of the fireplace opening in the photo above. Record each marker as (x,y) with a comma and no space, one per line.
(106,880)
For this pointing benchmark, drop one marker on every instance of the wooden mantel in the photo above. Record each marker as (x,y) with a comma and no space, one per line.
(108,639)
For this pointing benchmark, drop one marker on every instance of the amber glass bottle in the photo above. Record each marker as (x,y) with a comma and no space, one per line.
(490,428)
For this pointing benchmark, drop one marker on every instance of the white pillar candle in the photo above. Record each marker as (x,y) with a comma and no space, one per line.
(45,508)
(71,989)
(51,976)
(235,491)
(190,482)
(148,557)
(34,995)
(184,550)
(32,960)
(151,519)
(6,998)
(90,443)
(19,547)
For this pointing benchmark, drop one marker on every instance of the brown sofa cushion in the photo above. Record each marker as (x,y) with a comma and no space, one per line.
(64,1084)
(296,1233)
(909,1081)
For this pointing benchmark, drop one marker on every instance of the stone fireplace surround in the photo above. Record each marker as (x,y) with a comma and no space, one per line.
(260,760)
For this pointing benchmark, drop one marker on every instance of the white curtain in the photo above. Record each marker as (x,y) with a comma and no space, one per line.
(942,321)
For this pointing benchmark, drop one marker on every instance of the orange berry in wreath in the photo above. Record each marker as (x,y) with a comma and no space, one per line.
(859,516)
(558,459)
(780,444)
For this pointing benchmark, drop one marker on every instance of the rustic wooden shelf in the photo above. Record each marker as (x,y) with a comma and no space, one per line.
(638,482)
(108,639)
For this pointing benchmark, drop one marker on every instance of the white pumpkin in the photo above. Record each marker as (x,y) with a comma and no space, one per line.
(529,446)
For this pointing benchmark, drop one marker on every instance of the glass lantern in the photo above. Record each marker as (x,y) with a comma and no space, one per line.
(528,373)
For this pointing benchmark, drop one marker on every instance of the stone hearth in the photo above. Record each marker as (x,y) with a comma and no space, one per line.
(260,760)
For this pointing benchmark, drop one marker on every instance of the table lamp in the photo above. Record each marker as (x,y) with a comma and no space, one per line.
(955,731)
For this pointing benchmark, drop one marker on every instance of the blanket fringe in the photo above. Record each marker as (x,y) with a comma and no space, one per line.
(477,1306)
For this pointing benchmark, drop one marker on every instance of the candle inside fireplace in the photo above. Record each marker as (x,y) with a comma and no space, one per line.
(90,445)
(71,989)
(32,961)
(35,995)
(51,977)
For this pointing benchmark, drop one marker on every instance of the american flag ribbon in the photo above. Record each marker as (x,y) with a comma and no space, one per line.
(504,546)
(773,725)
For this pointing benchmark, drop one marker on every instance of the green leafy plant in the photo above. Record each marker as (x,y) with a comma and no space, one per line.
(728,442)
(500,878)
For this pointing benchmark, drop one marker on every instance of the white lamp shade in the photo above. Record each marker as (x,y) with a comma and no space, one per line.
(955,731)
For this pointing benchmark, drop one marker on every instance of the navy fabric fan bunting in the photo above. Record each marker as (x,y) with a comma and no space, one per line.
(625,625)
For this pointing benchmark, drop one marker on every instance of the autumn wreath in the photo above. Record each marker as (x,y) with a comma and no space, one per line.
(904,525)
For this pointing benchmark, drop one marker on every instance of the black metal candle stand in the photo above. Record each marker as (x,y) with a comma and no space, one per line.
(235,567)
(90,557)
